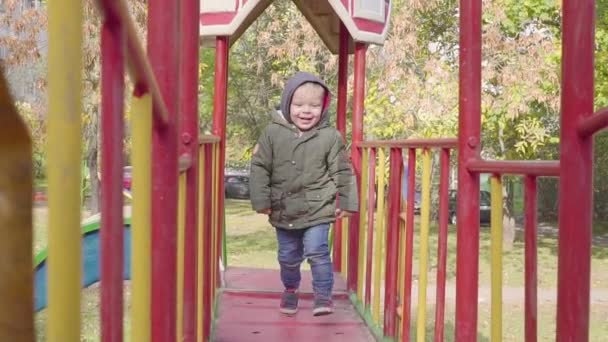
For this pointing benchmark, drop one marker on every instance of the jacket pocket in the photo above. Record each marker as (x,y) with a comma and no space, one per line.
(321,202)
(275,205)
(294,206)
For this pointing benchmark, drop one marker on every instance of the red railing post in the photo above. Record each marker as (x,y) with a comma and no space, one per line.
(207,165)
(576,177)
(372,200)
(392,242)
(357,137)
(341,126)
(112,235)
(442,243)
(164,49)
(220,98)
(467,261)
(188,108)
(530,250)
(409,244)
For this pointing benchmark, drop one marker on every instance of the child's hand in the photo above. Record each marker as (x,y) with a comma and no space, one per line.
(266,211)
(343,213)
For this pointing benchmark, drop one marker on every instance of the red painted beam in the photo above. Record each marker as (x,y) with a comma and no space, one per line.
(409,244)
(207,229)
(164,49)
(392,243)
(412,143)
(139,66)
(189,127)
(342,80)
(576,177)
(442,243)
(220,98)
(530,203)
(514,167)
(112,134)
(593,123)
(341,126)
(371,208)
(357,137)
(469,127)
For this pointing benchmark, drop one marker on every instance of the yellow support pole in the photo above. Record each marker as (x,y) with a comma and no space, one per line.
(496,239)
(379,236)
(64,134)
(425,220)
(401,271)
(362,222)
(344,245)
(214,219)
(200,253)
(181,240)
(16,275)
(141,222)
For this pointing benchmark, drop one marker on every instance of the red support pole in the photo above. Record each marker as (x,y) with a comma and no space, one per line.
(112,130)
(392,243)
(207,164)
(163,48)
(220,98)
(342,80)
(409,244)
(442,243)
(371,207)
(467,260)
(530,251)
(341,126)
(188,108)
(357,137)
(576,177)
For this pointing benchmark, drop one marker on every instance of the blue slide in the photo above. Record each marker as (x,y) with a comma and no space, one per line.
(91,259)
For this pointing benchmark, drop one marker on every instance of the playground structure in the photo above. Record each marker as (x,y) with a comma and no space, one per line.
(177,208)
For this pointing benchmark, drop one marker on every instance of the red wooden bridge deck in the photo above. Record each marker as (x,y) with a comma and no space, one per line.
(248,311)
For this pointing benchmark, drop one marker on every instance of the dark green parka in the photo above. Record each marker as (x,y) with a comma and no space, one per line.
(298,177)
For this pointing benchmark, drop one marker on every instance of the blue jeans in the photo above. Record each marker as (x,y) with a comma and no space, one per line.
(312,244)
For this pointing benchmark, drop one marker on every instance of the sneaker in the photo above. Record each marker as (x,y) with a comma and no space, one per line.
(289,302)
(322,306)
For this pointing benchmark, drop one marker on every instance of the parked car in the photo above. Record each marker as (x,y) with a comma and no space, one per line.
(236,184)
(484,207)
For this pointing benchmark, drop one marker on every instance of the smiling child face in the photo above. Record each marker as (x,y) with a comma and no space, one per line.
(306,106)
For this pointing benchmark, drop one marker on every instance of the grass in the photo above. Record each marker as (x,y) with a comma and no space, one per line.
(251,242)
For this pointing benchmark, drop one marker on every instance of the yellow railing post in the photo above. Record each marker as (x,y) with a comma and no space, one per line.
(379,236)
(362,222)
(16,275)
(141,223)
(344,245)
(64,136)
(496,238)
(425,219)
(201,243)
(181,240)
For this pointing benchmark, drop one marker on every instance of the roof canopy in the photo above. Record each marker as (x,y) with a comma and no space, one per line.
(366,20)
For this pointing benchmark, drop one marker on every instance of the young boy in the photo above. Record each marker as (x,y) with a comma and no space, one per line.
(298,167)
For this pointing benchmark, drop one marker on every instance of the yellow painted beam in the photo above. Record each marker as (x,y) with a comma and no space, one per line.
(181,240)
(141,221)
(201,242)
(16,275)
(379,236)
(344,245)
(214,219)
(362,222)
(425,220)
(64,138)
(496,240)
